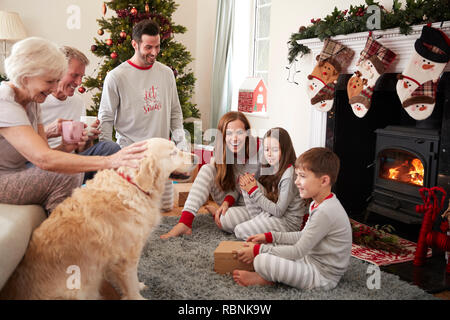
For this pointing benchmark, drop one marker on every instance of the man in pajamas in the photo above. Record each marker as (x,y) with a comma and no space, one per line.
(140,98)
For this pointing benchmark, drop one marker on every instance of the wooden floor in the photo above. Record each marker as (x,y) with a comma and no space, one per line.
(443,295)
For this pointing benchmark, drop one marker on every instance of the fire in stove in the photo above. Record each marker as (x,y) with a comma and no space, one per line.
(406,160)
(402,167)
(408,172)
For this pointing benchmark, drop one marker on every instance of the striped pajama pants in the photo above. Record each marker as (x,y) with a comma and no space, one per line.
(245,224)
(203,186)
(167,197)
(250,220)
(300,274)
(244,218)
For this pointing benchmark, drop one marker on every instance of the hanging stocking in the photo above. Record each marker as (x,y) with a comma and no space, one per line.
(417,84)
(420,104)
(323,100)
(333,58)
(373,62)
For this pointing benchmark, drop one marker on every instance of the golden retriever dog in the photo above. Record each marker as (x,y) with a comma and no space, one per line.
(99,232)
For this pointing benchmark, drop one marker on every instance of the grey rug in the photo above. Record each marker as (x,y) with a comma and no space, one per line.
(182,269)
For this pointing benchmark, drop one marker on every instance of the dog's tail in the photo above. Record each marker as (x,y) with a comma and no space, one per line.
(10,289)
(20,285)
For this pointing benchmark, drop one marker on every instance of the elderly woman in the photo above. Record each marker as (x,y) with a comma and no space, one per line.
(34,68)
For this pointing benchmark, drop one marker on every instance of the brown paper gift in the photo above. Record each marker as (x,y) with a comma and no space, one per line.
(225,261)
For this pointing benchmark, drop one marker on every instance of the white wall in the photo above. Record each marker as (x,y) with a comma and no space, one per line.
(199,17)
(288,104)
(48,19)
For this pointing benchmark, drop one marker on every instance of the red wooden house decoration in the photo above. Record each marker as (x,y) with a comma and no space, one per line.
(252,96)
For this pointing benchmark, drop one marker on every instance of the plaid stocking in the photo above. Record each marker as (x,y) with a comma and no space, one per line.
(417,85)
(333,58)
(373,62)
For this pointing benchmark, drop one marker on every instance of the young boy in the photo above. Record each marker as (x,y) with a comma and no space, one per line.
(315,257)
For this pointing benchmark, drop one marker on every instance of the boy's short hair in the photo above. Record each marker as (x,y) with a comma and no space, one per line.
(321,161)
(148,27)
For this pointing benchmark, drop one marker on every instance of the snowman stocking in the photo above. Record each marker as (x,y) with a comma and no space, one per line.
(373,62)
(416,86)
(333,58)
(323,100)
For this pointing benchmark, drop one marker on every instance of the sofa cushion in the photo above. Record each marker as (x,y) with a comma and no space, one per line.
(16,225)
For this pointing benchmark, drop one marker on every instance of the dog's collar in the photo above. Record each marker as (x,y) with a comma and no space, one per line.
(128,178)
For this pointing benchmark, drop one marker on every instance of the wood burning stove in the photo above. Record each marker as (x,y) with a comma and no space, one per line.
(369,146)
(406,159)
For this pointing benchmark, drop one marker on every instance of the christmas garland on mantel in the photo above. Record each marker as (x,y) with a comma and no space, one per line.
(354,20)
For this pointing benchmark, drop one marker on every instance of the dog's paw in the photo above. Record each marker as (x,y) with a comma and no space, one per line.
(142,286)
(134,297)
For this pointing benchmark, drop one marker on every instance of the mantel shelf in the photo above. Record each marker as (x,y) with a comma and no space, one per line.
(401,44)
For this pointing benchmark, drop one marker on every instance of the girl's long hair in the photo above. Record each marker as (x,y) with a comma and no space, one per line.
(225,170)
(270,182)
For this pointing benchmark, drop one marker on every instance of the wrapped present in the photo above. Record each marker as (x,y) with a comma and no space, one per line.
(225,258)
(204,153)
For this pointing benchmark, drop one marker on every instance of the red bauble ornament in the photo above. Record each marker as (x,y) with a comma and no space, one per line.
(123,34)
(100,32)
(93,47)
(109,42)
(114,55)
(133,11)
(82,89)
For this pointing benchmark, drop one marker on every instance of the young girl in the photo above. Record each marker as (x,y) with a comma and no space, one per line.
(236,152)
(274,204)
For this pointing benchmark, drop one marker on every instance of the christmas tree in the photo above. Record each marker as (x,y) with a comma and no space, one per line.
(115,47)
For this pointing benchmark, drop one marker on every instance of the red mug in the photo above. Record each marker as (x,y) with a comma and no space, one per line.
(72,131)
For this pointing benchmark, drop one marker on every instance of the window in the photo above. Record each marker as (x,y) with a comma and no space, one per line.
(261,42)
(250,43)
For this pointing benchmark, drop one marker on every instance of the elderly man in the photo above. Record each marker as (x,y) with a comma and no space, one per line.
(62,104)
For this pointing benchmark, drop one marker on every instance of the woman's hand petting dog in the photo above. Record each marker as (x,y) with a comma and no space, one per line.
(128,156)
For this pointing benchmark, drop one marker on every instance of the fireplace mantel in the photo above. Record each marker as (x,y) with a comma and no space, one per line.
(400,44)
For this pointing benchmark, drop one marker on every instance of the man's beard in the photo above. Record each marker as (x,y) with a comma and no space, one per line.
(147,59)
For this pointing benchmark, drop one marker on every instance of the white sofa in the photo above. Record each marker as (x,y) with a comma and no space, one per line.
(16,225)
